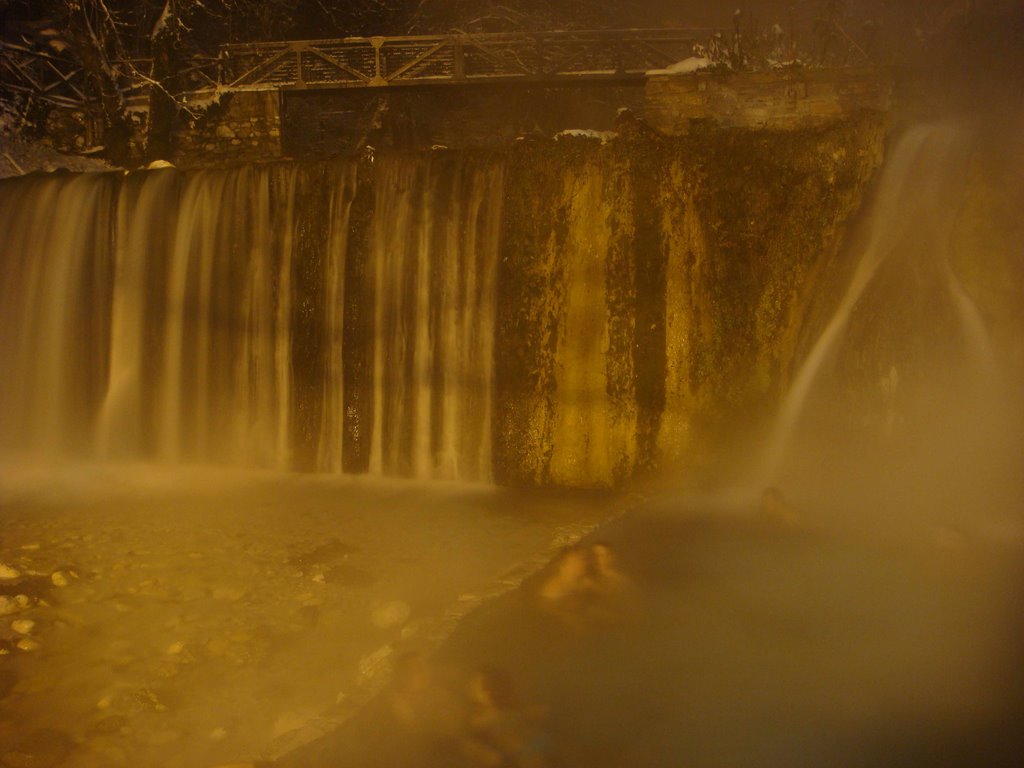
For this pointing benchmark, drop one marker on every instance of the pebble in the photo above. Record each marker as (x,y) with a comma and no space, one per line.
(7,572)
(59,579)
(23,626)
(390,614)
(8,605)
(175,648)
(28,644)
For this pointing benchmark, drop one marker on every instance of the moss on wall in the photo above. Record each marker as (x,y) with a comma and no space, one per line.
(653,289)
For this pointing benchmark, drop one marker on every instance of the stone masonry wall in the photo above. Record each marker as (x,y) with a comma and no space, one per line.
(243,126)
(780,100)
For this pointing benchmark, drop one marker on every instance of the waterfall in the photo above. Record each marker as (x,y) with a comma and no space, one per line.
(201,316)
(910,219)
(435,244)
(565,313)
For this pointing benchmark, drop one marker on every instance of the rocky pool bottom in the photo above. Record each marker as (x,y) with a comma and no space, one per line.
(199,618)
(170,618)
(736,640)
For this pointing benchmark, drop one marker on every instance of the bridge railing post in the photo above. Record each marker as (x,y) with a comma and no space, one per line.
(378,64)
(540,51)
(458,57)
(299,79)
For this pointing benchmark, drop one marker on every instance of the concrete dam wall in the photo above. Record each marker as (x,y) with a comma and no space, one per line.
(566,312)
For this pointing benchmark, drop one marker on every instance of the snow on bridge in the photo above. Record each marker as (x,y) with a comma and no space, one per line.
(371,62)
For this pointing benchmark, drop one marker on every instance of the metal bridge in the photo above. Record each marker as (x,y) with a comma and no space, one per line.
(374,62)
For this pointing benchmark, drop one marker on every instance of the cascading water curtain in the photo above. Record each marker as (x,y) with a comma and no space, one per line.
(201,316)
(435,244)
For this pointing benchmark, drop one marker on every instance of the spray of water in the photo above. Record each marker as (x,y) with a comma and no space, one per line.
(911,213)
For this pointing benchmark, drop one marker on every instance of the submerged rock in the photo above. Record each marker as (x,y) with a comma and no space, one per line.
(7,572)
(8,605)
(23,626)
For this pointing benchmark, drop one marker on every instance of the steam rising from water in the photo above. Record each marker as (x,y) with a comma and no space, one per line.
(237,327)
(906,214)
(928,433)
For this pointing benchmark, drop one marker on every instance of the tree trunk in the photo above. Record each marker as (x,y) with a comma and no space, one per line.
(163,109)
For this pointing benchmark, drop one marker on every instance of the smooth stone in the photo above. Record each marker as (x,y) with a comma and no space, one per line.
(7,572)
(23,626)
(175,648)
(8,605)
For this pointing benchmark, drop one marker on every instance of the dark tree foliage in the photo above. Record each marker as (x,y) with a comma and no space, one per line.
(152,42)
(125,42)
(508,15)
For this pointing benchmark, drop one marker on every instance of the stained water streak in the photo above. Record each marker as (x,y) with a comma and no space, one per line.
(434,259)
(200,317)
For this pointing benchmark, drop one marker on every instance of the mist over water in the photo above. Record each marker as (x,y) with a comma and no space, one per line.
(899,413)
(250,317)
(903,216)
(879,625)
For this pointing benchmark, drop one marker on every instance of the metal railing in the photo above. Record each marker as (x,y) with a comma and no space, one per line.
(458,58)
(371,62)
